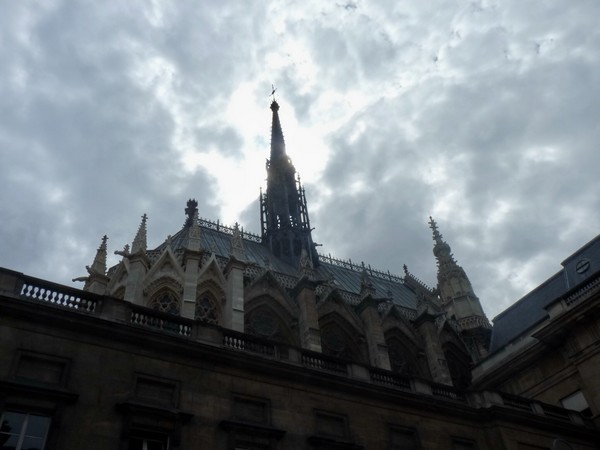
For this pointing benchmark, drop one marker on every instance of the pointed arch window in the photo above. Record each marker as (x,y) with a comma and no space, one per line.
(165,301)
(336,342)
(206,309)
(402,360)
(262,322)
(459,365)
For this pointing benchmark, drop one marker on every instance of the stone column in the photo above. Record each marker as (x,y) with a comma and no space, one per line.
(436,359)
(136,272)
(378,352)
(308,322)
(190,283)
(233,314)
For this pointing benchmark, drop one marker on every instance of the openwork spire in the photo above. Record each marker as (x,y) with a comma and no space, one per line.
(284,215)
(139,242)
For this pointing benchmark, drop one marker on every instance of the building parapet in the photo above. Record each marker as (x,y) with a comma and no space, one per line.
(20,287)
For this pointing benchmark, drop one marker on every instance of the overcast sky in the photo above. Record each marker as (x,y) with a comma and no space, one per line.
(483,114)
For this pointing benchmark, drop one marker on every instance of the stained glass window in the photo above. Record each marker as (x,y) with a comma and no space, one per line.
(206,310)
(166,301)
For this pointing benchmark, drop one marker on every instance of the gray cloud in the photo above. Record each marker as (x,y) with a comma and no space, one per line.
(482,114)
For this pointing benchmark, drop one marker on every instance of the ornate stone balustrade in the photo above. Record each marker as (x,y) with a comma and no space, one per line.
(248,343)
(313,360)
(161,321)
(516,402)
(441,390)
(388,378)
(57,295)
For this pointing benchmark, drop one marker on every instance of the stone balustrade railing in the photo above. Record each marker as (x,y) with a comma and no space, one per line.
(248,343)
(160,321)
(57,294)
(22,288)
(319,361)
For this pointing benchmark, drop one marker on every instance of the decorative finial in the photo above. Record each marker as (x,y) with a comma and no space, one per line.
(305,265)
(437,236)
(405,267)
(366,285)
(139,242)
(236,248)
(273,89)
(191,210)
(99,264)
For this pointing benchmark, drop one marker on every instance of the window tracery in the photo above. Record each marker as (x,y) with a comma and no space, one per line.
(206,310)
(262,322)
(335,342)
(458,366)
(400,360)
(165,301)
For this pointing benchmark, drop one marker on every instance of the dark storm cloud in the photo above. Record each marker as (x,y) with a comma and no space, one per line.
(87,147)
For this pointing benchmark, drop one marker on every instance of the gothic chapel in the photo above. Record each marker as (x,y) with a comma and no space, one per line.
(277,286)
(223,339)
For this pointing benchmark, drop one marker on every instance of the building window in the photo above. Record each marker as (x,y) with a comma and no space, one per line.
(462,444)
(332,431)
(263,323)
(146,440)
(336,342)
(331,425)
(23,431)
(206,310)
(166,301)
(41,368)
(577,402)
(402,438)
(250,409)
(250,425)
(156,390)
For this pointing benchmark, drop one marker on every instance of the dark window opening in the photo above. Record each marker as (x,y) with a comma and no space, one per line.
(23,431)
